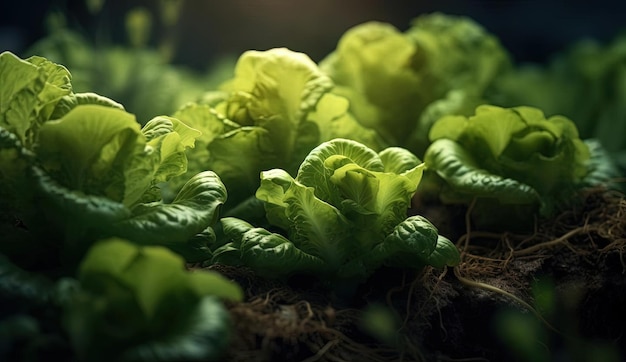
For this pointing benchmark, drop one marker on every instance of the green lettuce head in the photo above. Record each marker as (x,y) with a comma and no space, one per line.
(513,156)
(29,91)
(587,83)
(390,77)
(76,167)
(275,109)
(343,216)
(140,304)
(97,174)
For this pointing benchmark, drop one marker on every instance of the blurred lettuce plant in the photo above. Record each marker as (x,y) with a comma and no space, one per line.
(391,77)
(138,303)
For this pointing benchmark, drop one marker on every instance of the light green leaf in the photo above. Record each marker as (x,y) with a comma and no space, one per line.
(284,84)
(89,147)
(57,84)
(318,228)
(333,120)
(139,303)
(170,137)
(203,118)
(391,77)
(398,160)
(239,156)
(313,172)
(384,195)
(30,90)
(373,68)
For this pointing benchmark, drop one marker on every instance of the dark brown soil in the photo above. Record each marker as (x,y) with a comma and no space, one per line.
(557,294)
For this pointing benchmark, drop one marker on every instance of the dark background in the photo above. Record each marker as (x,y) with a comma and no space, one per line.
(531,30)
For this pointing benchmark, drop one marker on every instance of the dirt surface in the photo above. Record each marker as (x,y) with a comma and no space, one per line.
(555,294)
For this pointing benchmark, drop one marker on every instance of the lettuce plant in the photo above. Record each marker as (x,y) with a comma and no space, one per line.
(343,216)
(138,303)
(390,77)
(276,108)
(138,77)
(30,90)
(586,83)
(513,156)
(81,168)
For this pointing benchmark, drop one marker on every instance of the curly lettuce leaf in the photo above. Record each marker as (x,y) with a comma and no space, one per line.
(30,90)
(139,303)
(381,198)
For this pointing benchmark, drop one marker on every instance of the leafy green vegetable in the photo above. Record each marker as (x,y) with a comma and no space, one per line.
(271,114)
(30,90)
(345,214)
(139,304)
(513,155)
(76,167)
(140,78)
(391,77)
(587,83)
(98,176)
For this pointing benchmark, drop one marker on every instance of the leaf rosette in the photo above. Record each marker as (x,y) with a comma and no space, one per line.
(514,156)
(138,303)
(78,167)
(276,108)
(343,216)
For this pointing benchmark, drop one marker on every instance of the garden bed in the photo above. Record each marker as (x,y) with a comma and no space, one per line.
(572,266)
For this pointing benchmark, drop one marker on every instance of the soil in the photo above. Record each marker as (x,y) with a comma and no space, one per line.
(554,295)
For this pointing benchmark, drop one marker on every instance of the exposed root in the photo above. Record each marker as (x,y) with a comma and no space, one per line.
(280,326)
(599,220)
(491,288)
(552,243)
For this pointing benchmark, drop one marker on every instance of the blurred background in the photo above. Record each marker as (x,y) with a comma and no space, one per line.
(195,32)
